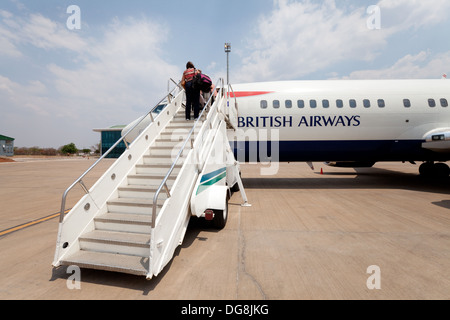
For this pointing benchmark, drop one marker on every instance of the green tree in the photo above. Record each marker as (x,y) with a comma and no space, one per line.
(96,148)
(69,149)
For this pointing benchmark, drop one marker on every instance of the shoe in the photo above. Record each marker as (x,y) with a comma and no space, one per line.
(188,119)
(195,119)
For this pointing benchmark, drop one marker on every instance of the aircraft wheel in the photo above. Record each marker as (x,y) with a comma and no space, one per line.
(438,170)
(221,217)
(442,170)
(426,169)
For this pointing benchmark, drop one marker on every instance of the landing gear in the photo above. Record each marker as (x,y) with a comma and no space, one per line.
(434,170)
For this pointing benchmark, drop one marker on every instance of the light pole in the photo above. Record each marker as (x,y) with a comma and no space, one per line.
(228,50)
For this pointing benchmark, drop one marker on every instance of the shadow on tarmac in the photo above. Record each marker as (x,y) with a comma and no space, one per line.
(362,178)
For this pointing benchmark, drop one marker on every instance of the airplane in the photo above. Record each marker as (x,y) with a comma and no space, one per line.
(344,123)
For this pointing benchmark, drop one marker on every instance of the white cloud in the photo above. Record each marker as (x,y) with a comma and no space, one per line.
(29,99)
(114,79)
(47,34)
(299,38)
(400,15)
(121,70)
(8,36)
(38,31)
(423,65)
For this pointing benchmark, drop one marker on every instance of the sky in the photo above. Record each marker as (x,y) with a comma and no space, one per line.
(66,71)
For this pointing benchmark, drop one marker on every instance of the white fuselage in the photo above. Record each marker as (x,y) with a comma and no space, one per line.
(341,120)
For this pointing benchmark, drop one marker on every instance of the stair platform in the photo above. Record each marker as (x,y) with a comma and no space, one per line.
(109,262)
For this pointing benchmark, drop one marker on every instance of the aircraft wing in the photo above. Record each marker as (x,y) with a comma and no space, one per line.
(437,140)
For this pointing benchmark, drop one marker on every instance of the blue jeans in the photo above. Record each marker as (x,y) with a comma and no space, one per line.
(192,101)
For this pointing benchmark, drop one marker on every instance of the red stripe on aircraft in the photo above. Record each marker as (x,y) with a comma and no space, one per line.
(243,94)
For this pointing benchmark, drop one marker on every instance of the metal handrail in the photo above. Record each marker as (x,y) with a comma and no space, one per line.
(234,95)
(80,179)
(164,182)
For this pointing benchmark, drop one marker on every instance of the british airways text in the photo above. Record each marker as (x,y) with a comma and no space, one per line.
(304,121)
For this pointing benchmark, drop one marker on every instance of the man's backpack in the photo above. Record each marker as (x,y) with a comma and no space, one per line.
(202,82)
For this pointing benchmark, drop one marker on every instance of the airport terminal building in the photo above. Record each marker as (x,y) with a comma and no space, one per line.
(6,146)
(109,136)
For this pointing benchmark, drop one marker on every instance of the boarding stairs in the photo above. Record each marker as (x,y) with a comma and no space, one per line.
(135,216)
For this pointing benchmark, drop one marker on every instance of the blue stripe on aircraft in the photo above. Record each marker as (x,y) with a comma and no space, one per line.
(366,150)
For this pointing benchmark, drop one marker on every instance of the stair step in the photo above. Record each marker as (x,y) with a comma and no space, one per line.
(123,238)
(166,160)
(132,206)
(140,192)
(181,121)
(150,180)
(179,130)
(183,124)
(124,222)
(170,151)
(169,142)
(138,266)
(132,202)
(158,166)
(157,169)
(135,244)
(138,188)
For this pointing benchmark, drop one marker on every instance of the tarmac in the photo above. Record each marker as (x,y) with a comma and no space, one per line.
(379,233)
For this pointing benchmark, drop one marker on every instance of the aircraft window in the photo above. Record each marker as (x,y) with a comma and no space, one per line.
(352,103)
(313,104)
(431,103)
(301,104)
(325,104)
(381,103)
(366,103)
(276,104)
(339,103)
(263,104)
(444,103)
(288,104)
(407,103)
